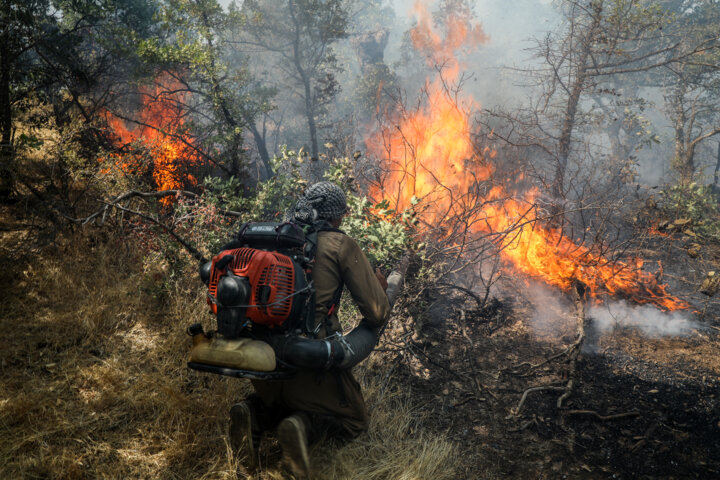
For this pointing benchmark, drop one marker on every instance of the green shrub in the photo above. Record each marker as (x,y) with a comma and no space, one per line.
(383,233)
(694,202)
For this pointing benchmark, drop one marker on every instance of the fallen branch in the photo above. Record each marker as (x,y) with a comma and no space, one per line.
(532,366)
(572,352)
(539,388)
(471,359)
(615,416)
(644,439)
(193,251)
(480,387)
(98,216)
(113,203)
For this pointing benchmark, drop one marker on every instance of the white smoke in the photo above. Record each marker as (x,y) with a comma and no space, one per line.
(647,319)
(553,317)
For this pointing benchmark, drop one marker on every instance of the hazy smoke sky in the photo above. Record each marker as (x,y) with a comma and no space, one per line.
(510,24)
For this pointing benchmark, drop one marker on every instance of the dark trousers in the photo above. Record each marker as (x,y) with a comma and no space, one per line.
(331,403)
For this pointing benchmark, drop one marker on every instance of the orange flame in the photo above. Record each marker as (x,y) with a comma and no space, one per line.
(430,160)
(159,129)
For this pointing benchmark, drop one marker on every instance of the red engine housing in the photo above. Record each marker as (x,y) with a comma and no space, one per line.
(264,270)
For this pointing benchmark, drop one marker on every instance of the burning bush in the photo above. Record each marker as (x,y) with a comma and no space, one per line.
(155,142)
(429,162)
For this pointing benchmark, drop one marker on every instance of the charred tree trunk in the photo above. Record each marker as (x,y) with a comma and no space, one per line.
(7,153)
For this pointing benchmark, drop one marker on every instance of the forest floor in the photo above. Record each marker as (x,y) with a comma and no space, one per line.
(93,382)
(641,405)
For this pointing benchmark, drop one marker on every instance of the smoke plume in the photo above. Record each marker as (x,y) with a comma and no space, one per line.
(647,319)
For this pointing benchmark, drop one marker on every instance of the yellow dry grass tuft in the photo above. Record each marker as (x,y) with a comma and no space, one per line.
(395,447)
(93,382)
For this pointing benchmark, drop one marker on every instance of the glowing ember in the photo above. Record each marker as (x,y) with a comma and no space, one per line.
(655,230)
(429,158)
(159,129)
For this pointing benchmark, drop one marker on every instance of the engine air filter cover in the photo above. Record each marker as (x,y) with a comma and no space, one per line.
(278,287)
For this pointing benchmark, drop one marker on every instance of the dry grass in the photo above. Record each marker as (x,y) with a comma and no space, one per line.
(93,382)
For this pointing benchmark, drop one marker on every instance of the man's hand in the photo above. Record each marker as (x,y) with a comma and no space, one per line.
(381,278)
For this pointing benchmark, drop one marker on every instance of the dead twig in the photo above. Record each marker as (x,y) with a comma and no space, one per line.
(101,213)
(579,293)
(530,390)
(478,300)
(614,416)
(573,352)
(480,387)
(644,439)
(192,250)
(525,425)
(471,358)
(532,366)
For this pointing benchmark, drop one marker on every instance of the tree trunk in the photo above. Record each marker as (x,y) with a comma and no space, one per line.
(682,162)
(310,112)
(578,86)
(7,153)
(262,150)
(218,97)
(309,99)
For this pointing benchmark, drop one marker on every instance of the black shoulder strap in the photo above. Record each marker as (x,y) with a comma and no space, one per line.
(311,237)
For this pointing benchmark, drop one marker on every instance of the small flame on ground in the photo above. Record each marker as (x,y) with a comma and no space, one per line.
(430,161)
(654,230)
(159,129)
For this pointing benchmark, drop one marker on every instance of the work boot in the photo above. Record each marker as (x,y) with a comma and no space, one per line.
(293,437)
(243,439)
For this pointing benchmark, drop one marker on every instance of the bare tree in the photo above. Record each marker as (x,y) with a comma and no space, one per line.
(599,41)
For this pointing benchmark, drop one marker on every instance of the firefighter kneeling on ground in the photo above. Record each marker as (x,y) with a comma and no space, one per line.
(316,403)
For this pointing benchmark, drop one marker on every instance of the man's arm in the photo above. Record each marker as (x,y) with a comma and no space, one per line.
(364,283)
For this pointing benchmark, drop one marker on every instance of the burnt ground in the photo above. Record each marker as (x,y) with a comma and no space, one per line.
(639,407)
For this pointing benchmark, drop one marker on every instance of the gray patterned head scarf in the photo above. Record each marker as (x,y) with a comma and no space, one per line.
(321,201)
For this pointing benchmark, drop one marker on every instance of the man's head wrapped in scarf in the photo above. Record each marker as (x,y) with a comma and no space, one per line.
(321,201)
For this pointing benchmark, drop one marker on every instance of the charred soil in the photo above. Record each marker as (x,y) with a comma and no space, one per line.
(639,406)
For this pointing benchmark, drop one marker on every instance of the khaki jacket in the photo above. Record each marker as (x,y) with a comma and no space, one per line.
(332,394)
(339,260)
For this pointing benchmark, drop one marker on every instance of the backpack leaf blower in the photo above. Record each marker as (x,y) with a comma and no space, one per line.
(260,290)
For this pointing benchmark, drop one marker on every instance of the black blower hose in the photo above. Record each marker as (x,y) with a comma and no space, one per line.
(337,352)
(344,351)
